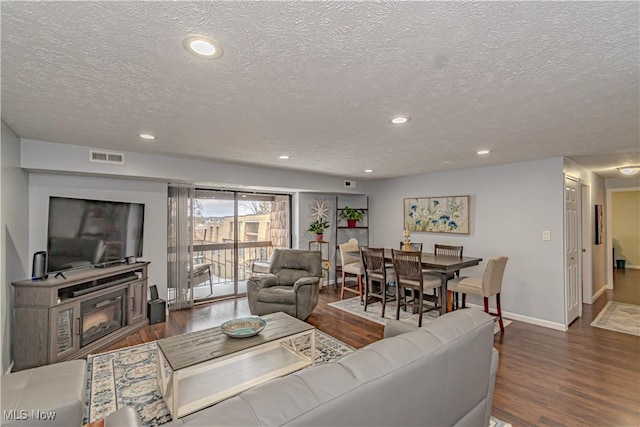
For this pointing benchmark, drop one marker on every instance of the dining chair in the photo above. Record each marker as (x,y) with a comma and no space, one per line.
(376,276)
(490,284)
(409,276)
(351,265)
(449,250)
(416,247)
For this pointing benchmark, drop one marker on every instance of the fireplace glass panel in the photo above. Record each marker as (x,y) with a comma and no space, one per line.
(102,316)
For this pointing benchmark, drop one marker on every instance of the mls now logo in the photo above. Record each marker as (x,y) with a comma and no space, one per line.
(23,414)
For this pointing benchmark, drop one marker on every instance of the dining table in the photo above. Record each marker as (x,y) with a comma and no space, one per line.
(444,265)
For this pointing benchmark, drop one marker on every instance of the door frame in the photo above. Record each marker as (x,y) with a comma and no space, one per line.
(237,197)
(609,258)
(585,243)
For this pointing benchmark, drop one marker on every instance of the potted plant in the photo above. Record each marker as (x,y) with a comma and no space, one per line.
(352,216)
(318,226)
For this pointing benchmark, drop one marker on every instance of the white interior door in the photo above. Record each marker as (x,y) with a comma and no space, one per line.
(572,277)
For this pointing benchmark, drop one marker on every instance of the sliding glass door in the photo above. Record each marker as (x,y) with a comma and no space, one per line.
(231,232)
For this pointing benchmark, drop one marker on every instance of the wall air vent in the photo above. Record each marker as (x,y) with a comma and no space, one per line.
(106,157)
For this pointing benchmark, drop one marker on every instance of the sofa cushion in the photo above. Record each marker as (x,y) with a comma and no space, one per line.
(278,295)
(57,388)
(441,374)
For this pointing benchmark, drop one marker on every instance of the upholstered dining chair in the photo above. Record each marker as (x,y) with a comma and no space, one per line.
(351,264)
(409,276)
(376,276)
(490,284)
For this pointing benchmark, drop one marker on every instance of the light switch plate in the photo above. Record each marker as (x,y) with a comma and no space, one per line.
(546,235)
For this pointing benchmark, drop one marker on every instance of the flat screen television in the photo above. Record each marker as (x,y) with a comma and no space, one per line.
(85,233)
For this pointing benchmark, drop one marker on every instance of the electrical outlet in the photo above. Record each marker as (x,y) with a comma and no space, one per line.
(546,235)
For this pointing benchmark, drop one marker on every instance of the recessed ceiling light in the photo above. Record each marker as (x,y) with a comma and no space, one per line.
(368,170)
(146,136)
(629,170)
(285,157)
(203,47)
(483,152)
(400,120)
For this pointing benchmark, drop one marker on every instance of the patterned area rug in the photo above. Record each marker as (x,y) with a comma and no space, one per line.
(619,317)
(127,377)
(374,313)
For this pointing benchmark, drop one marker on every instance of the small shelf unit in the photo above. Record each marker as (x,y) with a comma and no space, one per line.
(323,248)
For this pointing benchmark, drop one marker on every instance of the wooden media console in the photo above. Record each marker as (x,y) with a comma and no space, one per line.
(68,318)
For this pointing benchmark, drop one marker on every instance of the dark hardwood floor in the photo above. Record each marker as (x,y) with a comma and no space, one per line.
(583,377)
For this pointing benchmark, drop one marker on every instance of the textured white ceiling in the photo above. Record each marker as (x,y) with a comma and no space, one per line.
(320,80)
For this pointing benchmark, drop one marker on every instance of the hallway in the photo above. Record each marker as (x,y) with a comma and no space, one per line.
(626,286)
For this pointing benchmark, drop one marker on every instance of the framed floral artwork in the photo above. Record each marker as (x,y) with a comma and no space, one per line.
(437,214)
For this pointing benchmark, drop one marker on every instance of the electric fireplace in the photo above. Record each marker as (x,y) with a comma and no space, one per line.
(101,316)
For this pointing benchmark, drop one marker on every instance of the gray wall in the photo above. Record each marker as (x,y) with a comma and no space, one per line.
(143,178)
(65,158)
(306,200)
(14,233)
(152,194)
(510,206)
(627,182)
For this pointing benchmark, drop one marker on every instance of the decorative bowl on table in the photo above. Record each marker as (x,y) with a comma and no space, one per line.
(243,327)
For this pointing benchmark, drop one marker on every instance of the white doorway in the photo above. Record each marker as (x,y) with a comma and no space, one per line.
(612,248)
(586,225)
(572,278)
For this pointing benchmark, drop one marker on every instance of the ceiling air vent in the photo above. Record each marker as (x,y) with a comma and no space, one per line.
(105,157)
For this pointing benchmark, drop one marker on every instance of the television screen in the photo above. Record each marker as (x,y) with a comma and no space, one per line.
(84,233)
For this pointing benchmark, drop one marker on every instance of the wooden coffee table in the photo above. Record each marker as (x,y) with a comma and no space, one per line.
(207,366)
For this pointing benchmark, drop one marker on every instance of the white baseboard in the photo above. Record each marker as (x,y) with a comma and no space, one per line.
(527,319)
(597,294)
(9,368)
(634,267)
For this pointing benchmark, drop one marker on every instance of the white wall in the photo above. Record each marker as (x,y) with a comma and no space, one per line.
(152,194)
(14,234)
(510,206)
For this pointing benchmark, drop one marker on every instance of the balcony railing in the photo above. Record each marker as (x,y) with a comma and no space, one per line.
(221,258)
